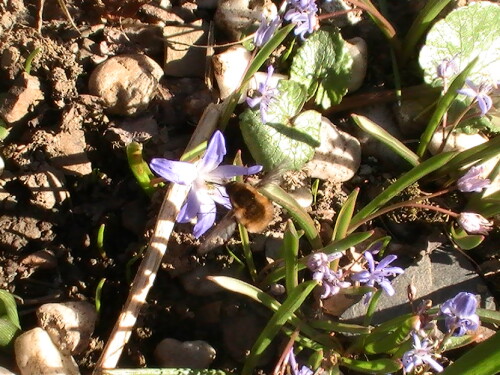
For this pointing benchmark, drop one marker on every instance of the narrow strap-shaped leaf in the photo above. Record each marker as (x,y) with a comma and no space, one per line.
(140,168)
(484,359)
(291,250)
(404,181)
(281,197)
(289,306)
(377,366)
(442,106)
(386,138)
(345,216)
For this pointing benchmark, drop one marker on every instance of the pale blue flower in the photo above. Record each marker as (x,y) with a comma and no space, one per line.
(206,178)
(378,273)
(267,91)
(473,181)
(447,68)
(266,30)
(303,13)
(421,354)
(479,93)
(461,314)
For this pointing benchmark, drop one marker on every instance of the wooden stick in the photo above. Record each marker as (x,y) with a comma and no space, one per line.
(144,279)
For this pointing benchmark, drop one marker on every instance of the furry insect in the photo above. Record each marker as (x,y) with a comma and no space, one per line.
(249,207)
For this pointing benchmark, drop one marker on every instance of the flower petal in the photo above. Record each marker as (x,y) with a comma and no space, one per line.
(206,218)
(180,172)
(214,154)
(189,209)
(224,172)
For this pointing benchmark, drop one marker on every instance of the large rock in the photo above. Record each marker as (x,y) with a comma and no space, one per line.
(126,83)
(69,324)
(438,276)
(338,156)
(36,354)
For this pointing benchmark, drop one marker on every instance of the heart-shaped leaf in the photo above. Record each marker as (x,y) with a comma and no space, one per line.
(323,65)
(286,137)
(466,33)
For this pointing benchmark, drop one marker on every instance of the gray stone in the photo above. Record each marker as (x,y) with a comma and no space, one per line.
(189,354)
(438,277)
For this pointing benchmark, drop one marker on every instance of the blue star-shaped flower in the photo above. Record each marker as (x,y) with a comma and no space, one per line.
(461,314)
(205,178)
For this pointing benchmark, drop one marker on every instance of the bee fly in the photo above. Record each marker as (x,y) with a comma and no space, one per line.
(249,207)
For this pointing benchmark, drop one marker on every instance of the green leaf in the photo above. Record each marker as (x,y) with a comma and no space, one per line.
(464,240)
(423,21)
(285,137)
(377,366)
(466,33)
(345,216)
(484,359)
(140,168)
(285,200)
(489,316)
(323,64)
(285,311)
(385,342)
(291,246)
(442,106)
(386,138)
(162,371)
(404,181)
(9,320)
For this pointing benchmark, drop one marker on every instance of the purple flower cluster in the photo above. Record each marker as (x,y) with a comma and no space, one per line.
(378,273)
(303,13)
(331,281)
(461,314)
(473,181)
(205,179)
(267,92)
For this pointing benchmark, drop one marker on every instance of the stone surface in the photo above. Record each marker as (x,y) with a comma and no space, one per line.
(229,68)
(36,354)
(126,83)
(235,16)
(189,354)
(4,371)
(358,50)
(456,141)
(338,156)
(25,94)
(69,324)
(46,186)
(438,276)
(184,60)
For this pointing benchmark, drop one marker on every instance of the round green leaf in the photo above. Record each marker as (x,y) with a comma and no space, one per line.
(285,137)
(464,34)
(323,65)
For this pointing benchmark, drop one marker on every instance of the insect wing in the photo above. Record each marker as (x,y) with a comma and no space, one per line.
(219,235)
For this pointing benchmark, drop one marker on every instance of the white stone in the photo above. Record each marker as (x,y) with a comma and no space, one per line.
(4,371)
(456,141)
(70,324)
(303,196)
(36,354)
(358,50)
(189,354)
(338,156)
(126,83)
(229,68)
(235,16)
